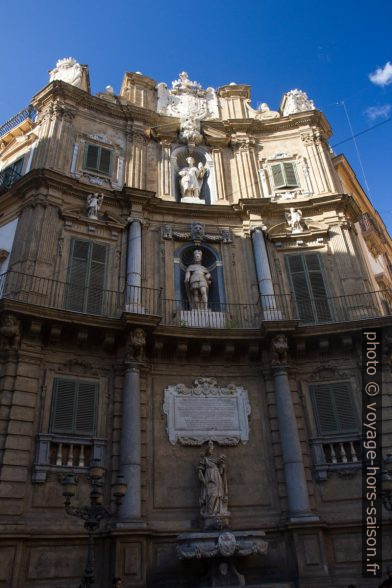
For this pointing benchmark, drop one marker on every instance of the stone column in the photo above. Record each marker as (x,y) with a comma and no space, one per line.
(134,264)
(165,171)
(130,450)
(297,491)
(219,173)
(264,279)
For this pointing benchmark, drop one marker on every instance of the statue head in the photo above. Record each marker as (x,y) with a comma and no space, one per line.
(197,255)
(210,447)
(190,161)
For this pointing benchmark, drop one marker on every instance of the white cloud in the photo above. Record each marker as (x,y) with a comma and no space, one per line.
(374,112)
(383,75)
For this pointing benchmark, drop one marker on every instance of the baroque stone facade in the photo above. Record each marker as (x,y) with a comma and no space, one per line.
(119,342)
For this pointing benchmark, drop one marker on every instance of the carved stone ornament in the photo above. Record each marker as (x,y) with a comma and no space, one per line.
(264,112)
(9,332)
(295,222)
(206,412)
(221,544)
(279,349)
(296,101)
(196,234)
(135,346)
(189,102)
(67,70)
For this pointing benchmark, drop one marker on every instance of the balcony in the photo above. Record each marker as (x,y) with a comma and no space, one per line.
(17,124)
(336,454)
(61,454)
(8,177)
(46,293)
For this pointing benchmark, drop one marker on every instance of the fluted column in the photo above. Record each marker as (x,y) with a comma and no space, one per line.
(134,263)
(248,178)
(264,278)
(164,168)
(297,491)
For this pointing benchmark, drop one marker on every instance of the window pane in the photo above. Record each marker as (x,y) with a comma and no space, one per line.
(92,157)
(104,162)
(96,279)
(333,408)
(78,270)
(324,410)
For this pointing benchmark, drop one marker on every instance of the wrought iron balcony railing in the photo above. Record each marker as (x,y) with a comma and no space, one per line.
(54,294)
(8,177)
(17,119)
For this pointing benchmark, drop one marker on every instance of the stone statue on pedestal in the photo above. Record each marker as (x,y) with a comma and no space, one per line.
(191,178)
(213,494)
(197,282)
(94,203)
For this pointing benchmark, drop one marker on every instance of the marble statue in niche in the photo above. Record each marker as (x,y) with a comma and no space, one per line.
(213,492)
(197,282)
(94,203)
(191,178)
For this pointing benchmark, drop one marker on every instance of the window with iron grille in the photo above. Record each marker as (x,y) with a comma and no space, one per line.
(98,159)
(74,407)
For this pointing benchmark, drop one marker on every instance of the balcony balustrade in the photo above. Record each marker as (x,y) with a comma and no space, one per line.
(61,453)
(53,294)
(336,453)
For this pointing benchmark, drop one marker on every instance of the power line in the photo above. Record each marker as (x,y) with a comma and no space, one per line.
(363,132)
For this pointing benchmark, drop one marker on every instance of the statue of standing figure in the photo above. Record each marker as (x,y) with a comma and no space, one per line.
(213,494)
(197,282)
(191,178)
(94,203)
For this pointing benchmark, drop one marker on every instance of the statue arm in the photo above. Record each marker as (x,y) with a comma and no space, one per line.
(187,276)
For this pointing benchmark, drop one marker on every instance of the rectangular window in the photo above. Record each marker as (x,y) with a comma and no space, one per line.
(334,409)
(86,277)
(74,407)
(98,159)
(284,175)
(307,282)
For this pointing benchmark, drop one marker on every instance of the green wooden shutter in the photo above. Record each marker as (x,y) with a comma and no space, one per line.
(308,284)
(92,155)
(74,407)
(85,408)
(333,408)
(86,277)
(299,282)
(319,292)
(77,276)
(277,175)
(289,172)
(105,161)
(96,279)
(64,396)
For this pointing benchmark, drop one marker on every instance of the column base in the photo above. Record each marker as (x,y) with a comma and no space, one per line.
(304,518)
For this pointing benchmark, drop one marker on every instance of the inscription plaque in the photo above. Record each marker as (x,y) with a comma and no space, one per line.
(207,411)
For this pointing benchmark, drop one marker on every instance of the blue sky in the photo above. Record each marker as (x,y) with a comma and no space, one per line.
(329,49)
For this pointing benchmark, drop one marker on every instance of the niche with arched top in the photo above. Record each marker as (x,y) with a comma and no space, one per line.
(200,155)
(212,261)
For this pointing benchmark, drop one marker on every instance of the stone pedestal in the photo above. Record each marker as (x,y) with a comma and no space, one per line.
(204,318)
(192,200)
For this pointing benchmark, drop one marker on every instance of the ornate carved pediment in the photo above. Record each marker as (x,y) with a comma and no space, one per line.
(79,215)
(327,371)
(310,230)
